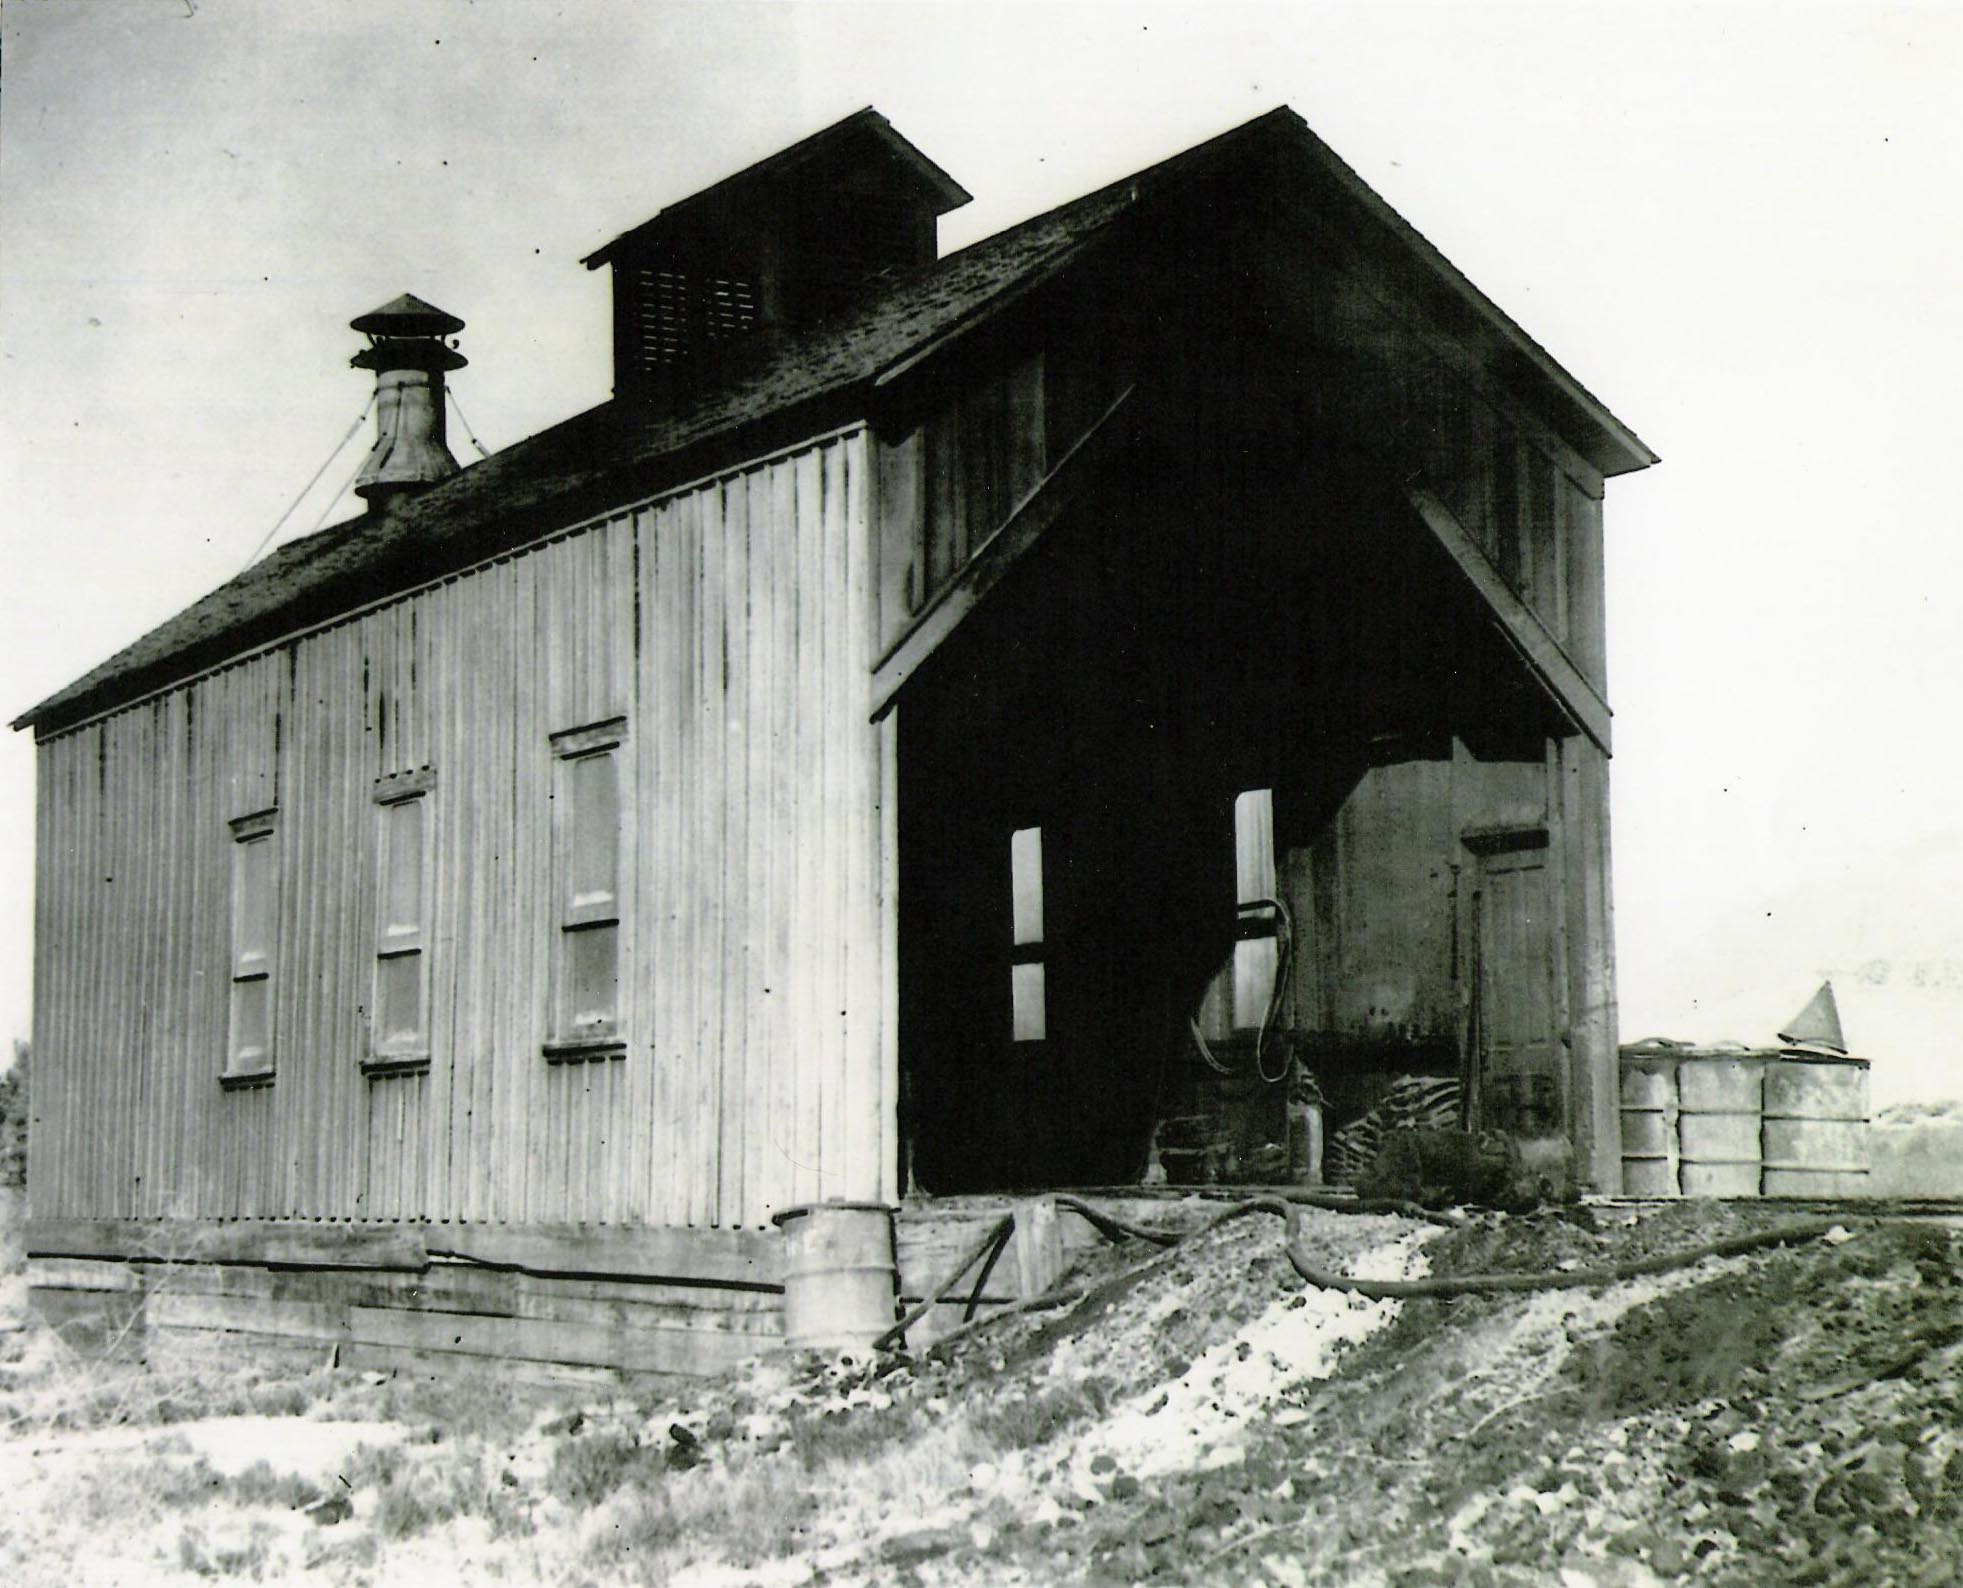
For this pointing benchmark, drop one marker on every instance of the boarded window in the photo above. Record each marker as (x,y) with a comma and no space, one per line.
(399,1026)
(255,918)
(1028,1017)
(586,862)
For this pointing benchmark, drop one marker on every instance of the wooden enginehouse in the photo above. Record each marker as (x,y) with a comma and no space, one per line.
(853,763)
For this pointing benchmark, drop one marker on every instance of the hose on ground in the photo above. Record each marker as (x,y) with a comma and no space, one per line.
(1288,1208)
(1576,1279)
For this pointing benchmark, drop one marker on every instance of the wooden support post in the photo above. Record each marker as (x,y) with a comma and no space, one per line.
(1039,1246)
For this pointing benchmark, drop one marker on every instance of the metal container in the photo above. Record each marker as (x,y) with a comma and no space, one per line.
(841,1281)
(1816,1126)
(1720,1102)
(1649,1124)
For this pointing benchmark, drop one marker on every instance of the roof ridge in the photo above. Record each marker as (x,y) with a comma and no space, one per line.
(949,193)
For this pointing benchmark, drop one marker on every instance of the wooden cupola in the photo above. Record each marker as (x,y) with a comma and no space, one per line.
(778,246)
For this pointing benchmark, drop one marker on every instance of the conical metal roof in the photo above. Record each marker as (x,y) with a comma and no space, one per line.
(407,315)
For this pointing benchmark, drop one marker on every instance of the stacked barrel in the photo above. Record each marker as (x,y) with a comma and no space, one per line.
(1740,1122)
(1816,1127)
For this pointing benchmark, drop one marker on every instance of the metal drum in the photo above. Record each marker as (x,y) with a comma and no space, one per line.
(1719,1108)
(1649,1123)
(840,1279)
(1816,1126)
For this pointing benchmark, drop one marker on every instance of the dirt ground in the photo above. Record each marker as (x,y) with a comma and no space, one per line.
(1198,1416)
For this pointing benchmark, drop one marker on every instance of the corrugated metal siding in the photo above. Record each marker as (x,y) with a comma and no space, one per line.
(731,624)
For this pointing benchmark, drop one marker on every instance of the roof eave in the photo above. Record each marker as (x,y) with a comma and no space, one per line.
(108,687)
(1600,437)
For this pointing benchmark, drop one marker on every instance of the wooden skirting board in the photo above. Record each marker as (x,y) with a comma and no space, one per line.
(630,1301)
(574,1301)
(746,1259)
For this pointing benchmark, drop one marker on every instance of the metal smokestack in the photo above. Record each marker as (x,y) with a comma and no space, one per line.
(408,355)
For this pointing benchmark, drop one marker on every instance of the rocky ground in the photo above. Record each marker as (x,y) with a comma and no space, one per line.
(1197,1416)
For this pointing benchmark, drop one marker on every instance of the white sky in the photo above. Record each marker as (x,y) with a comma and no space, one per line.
(1738,225)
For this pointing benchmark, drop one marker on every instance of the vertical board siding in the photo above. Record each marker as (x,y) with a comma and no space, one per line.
(731,625)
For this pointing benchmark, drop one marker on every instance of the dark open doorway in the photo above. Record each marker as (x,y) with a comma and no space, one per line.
(1204,761)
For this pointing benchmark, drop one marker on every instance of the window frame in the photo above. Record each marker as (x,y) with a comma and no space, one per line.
(1028,948)
(252,966)
(392,943)
(566,1040)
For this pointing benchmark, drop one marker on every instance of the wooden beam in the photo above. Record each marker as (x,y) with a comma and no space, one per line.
(745,1259)
(1031,520)
(741,1259)
(629,1347)
(307,1245)
(1516,621)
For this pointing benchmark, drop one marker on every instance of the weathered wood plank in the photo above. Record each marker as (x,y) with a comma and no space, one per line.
(266,1241)
(838,758)
(736,954)
(744,1257)
(81,1273)
(450,1366)
(1586,635)
(625,1312)
(865,991)
(95,1318)
(445,1285)
(888,850)
(1591,945)
(807,1000)
(711,636)
(662,1350)
(278,1316)
(901,504)
(772,799)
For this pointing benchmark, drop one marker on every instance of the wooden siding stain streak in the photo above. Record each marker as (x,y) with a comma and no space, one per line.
(733,625)
(840,680)
(712,813)
(734,957)
(58,918)
(808,1098)
(861,940)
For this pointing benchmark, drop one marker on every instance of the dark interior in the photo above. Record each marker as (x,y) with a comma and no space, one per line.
(1277,622)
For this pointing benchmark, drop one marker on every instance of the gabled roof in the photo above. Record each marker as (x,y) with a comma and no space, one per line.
(864,138)
(624,451)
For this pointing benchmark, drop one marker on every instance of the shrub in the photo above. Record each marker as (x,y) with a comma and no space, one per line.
(402,1510)
(1027,1421)
(239,1557)
(13,1120)
(586,1469)
(259,1484)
